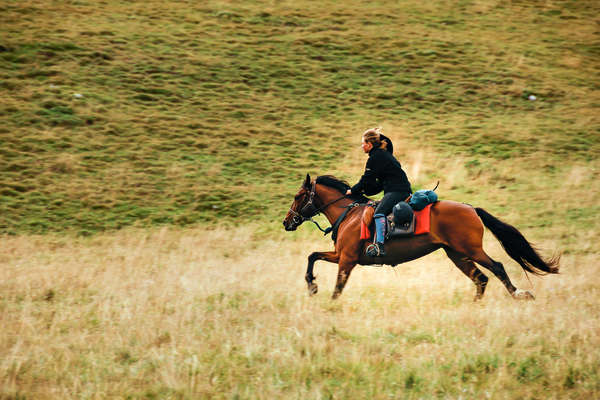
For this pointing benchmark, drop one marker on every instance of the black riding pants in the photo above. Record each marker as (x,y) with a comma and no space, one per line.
(388,202)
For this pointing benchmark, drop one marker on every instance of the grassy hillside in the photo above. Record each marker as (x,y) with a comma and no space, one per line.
(155,112)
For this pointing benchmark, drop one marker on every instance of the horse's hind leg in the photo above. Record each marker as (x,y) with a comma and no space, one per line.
(497,268)
(468,267)
(330,256)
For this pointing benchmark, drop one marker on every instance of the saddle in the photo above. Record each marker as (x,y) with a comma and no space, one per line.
(402,222)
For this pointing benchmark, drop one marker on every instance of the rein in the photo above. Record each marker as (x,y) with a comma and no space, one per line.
(330,203)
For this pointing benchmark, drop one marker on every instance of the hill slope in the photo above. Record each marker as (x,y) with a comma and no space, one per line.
(160,112)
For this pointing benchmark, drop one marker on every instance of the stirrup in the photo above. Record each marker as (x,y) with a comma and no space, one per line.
(375,250)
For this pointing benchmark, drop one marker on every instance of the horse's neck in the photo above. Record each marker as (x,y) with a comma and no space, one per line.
(334,210)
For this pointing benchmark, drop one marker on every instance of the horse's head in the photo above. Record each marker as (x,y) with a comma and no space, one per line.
(303,207)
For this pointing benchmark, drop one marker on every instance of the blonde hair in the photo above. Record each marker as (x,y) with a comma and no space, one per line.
(373,136)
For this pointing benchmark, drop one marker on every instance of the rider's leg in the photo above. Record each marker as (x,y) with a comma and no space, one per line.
(379,228)
(376,249)
(388,201)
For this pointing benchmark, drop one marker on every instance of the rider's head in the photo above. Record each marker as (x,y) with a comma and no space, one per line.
(373,136)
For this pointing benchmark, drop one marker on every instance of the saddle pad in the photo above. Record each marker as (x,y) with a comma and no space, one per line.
(365,234)
(366,221)
(423,220)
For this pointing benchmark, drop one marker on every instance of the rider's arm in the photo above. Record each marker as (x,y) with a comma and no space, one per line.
(369,176)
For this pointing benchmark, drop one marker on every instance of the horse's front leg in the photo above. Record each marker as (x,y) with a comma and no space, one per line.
(330,256)
(345,268)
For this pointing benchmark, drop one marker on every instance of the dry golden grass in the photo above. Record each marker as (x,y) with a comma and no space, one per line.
(223,313)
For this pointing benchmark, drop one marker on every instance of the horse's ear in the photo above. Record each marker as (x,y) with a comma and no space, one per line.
(307,182)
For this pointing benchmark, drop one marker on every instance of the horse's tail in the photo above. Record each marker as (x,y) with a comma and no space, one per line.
(517,247)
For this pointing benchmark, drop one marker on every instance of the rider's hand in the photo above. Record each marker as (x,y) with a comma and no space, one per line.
(348,192)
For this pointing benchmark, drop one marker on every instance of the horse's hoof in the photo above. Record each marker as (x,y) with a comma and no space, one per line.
(312,289)
(523,295)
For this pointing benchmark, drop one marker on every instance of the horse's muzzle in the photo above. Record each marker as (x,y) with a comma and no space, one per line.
(290,227)
(294,223)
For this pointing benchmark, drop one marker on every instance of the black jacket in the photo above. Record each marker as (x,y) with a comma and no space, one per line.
(383,171)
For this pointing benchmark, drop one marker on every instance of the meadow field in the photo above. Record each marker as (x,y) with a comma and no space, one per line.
(201,313)
(149,152)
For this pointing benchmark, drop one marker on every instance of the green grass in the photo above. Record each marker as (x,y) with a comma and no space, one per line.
(146,113)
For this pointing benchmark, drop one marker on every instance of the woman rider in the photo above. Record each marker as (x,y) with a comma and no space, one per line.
(382,171)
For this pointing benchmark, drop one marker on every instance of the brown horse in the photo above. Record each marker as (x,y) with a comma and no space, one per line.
(456,227)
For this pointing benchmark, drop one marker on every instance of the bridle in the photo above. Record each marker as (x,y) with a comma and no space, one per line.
(309,210)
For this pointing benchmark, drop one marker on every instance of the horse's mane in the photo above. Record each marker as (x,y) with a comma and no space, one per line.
(340,185)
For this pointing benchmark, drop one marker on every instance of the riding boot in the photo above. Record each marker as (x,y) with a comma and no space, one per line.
(377,250)
(379,228)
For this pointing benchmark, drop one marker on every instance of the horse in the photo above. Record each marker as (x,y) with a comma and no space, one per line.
(455,227)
